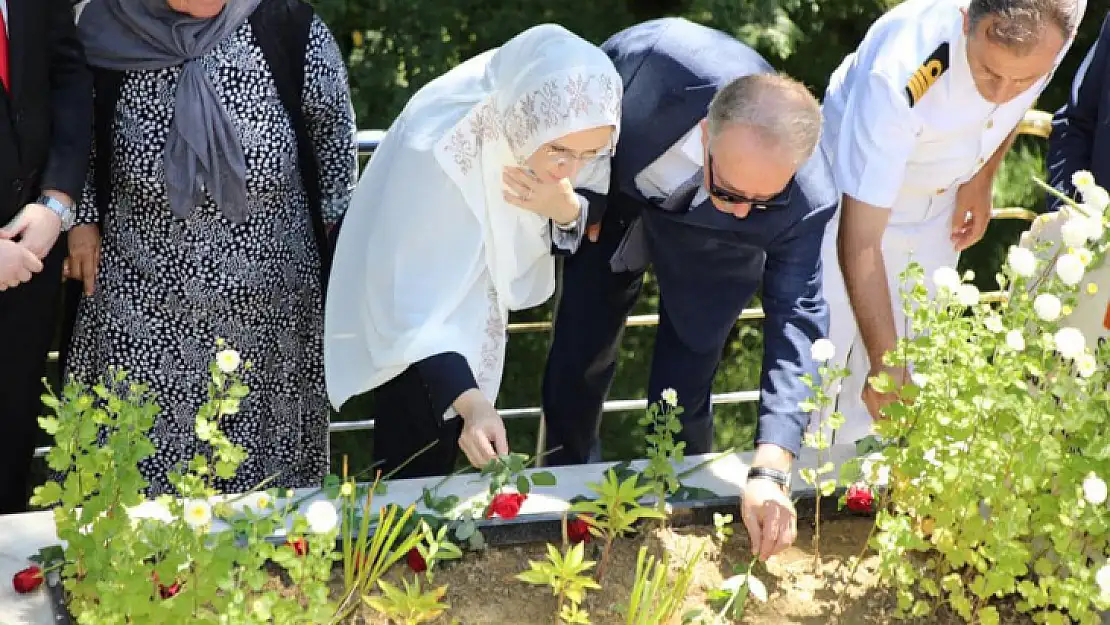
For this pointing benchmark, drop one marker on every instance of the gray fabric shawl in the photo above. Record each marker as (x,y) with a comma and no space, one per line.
(203,148)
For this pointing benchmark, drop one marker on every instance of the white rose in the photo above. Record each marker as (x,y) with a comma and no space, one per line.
(1096,197)
(198,513)
(1086,365)
(1082,179)
(1070,269)
(946,278)
(228,360)
(670,397)
(1102,578)
(1069,342)
(1021,261)
(1015,341)
(1094,490)
(822,350)
(1074,231)
(967,294)
(321,516)
(994,324)
(1047,306)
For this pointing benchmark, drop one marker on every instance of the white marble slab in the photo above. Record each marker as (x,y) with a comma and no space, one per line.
(22,535)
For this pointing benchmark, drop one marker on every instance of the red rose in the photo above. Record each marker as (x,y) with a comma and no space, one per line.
(299,545)
(166,592)
(416,561)
(860,498)
(27,580)
(578,531)
(505,505)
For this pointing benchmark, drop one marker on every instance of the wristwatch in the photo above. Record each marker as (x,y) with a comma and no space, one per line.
(782,478)
(61,210)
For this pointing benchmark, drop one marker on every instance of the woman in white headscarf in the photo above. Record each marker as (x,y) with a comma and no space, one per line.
(451,227)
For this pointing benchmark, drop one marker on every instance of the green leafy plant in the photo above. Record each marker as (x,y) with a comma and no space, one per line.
(655,599)
(566,575)
(615,512)
(130,559)
(505,470)
(822,351)
(734,592)
(661,424)
(409,605)
(997,483)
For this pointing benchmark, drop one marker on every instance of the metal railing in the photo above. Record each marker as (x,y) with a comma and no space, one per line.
(1036,123)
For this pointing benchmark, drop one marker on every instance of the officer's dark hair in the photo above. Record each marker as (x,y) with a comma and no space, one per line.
(782,111)
(1020,24)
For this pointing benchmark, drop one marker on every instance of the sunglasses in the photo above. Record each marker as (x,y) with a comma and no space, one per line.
(780,200)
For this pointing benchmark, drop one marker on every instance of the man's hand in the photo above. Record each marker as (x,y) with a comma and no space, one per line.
(84,256)
(556,201)
(876,401)
(973,212)
(483,435)
(37,228)
(17,264)
(769,516)
(766,509)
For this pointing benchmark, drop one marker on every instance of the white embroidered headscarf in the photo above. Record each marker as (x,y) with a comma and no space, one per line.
(431,258)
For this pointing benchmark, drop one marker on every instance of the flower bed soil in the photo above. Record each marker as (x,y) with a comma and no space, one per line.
(481,589)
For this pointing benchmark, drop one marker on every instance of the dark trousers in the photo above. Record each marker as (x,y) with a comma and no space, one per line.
(404,424)
(589,323)
(28,316)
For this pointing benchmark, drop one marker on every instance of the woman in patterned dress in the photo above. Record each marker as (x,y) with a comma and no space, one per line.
(207,231)
(451,227)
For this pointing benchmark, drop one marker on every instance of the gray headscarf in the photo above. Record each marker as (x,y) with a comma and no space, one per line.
(203,146)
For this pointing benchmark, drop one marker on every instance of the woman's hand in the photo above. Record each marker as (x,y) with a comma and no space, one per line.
(84,255)
(556,201)
(483,435)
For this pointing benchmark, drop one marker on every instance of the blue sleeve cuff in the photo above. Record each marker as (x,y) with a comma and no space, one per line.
(446,376)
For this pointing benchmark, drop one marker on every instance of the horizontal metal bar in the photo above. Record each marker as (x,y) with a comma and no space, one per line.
(616,405)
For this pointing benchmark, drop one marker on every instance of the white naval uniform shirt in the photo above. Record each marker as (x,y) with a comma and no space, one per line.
(899,141)
(674,167)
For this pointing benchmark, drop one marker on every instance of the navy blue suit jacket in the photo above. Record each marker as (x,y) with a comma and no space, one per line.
(709,264)
(1081,128)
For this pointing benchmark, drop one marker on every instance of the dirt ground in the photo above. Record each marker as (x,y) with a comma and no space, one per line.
(481,589)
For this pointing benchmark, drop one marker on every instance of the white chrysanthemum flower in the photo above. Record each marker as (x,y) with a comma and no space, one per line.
(1086,365)
(1102,578)
(1070,268)
(1070,342)
(1015,341)
(993,323)
(1083,179)
(1022,261)
(1074,231)
(1047,306)
(967,294)
(321,516)
(1096,197)
(1084,255)
(1094,490)
(152,510)
(670,397)
(946,278)
(822,350)
(228,360)
(198,513)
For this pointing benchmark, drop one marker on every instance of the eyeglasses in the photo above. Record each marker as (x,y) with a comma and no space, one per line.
(559,155)
(780,200)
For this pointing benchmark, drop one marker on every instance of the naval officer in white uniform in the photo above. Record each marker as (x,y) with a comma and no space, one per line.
(917,122)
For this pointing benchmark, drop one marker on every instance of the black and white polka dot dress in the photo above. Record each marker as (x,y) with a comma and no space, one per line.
(167,288)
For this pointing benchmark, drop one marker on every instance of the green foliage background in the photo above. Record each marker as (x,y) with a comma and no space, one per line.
(395,46)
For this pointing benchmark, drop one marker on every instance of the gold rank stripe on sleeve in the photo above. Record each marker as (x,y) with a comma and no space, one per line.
(926,75)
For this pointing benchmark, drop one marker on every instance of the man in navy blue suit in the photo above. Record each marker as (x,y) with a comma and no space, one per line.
(1081,128)
(716,184)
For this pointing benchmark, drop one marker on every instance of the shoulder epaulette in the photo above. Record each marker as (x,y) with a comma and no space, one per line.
(926,75)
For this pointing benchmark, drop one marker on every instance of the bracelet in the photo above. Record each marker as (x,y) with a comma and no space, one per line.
(781,478)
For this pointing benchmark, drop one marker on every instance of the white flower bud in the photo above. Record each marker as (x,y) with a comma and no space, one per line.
(1015,341)
(967,294)
(1021,261)
(822,350)
(1047,306)
(1094,490)
(1070,268)
(1069,342)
